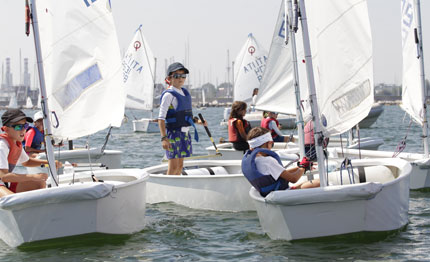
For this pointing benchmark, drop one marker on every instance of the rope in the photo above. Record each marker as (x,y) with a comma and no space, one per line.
(347,165)
(402,144)
(106,140)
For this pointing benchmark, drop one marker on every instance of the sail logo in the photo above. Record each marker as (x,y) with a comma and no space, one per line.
(282,29)
(87,3)
(257,67)
(407,19)
(129,65)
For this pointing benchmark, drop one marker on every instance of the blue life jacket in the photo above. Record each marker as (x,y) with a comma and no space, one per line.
(38,139)
(263,183)
(183,114)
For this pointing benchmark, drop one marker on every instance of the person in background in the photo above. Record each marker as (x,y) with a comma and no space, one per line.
(254,99)
(175,118)
(271,123)
(263,167)
(14,125)
(310,150)
(34,137)
(238,127)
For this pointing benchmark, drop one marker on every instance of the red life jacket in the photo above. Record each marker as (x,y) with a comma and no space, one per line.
(265,123)
(15,150)
(233,133)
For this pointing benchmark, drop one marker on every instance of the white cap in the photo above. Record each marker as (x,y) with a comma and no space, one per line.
(38,115)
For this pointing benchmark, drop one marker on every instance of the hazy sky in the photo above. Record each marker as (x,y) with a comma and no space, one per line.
(211,28)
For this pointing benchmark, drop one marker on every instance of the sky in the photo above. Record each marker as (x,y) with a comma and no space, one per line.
(209,29)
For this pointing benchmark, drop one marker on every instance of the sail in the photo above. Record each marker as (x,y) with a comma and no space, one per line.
(248,69)
(138,65)
(13,103)
(412,91)
(341,46)
(28,103)
(277,91)
(82,66)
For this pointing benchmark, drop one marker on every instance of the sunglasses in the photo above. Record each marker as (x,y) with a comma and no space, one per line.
(177,76)
(19,127)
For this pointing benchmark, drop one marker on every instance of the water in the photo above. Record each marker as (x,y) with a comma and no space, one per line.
(177,233)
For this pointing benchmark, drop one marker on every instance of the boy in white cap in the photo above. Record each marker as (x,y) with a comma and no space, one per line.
(263,167)
(14,125)
(34,137)
(175,118)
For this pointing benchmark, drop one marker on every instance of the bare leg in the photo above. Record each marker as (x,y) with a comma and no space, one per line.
(4,191)
(30,185)
(175,166)
(309,184)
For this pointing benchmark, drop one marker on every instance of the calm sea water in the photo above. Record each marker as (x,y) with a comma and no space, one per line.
(177,233)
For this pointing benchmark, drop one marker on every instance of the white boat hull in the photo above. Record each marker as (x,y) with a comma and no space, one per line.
(200,190)
(420,176)
(145,125)
(335,210)
(116,206)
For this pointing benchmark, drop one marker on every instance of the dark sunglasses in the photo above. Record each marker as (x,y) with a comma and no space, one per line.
(177,76)
(19,127)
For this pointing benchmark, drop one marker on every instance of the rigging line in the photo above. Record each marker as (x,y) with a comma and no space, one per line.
(106,140)
(402,144)
(341,145)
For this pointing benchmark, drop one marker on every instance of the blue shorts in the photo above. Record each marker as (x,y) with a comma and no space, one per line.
(180,144)
(278,139)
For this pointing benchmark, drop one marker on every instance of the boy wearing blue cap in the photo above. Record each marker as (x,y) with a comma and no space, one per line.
(175,118)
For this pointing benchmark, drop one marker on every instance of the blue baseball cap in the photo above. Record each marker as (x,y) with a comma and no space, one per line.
(175,67)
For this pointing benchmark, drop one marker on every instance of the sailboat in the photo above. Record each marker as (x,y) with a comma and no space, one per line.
(413,97)
(279,93)
(249,69)
(28,103)
(374,194)
(139,80)
(13,103)
(80,71)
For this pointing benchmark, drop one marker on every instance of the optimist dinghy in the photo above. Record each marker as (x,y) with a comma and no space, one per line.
(81,98)
(204,184)
(77,206)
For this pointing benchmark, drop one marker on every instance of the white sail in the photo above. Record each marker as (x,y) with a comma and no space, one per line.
(341,46)
(28,103)
(277,92)
(82,66)
(412,92)
(203,97)
(13,103)
(248,70)
(138,65)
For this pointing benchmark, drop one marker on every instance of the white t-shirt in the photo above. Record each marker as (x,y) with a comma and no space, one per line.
(274,127)
(268,165)
(167,100)
(4,152)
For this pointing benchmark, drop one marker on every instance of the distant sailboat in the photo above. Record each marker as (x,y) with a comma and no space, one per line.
(139,74)
(13,103)
(28,103)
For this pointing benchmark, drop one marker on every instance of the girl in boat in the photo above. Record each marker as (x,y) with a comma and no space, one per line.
(271,123)
(238,127)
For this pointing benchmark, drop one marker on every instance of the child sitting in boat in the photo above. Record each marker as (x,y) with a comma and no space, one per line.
(14,123)
(34,137)
(238,127)
(272,124)
(263,168)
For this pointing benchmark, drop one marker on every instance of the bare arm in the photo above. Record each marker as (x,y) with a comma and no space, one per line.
(239,126)
(33,162)
(293,174)
(12,177)
(165,142)
(29,149)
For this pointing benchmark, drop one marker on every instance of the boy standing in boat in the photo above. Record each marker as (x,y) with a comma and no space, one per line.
(263,167)
(175,118)
(14,124)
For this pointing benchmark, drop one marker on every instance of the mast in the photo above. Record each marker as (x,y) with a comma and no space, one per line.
(45,109)
(419,42)
(291,28)
(312,96)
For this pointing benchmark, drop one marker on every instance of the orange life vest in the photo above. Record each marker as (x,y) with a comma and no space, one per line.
(265,123)
(233,133)
(15,150)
